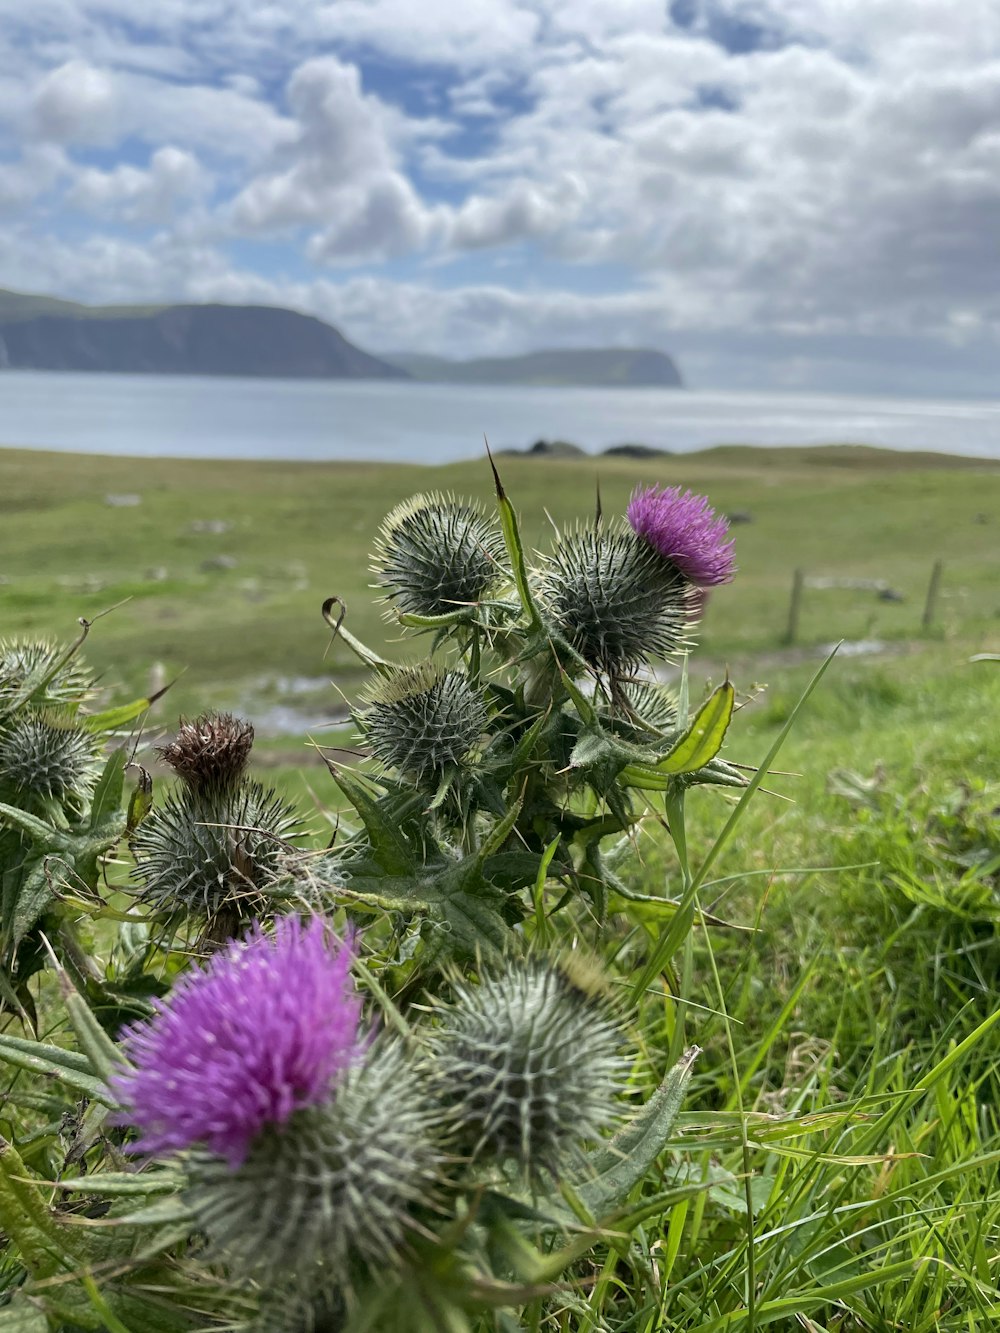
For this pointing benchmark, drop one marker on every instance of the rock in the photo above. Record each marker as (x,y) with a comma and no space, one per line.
(635,451)
(218,562)
(215,526)
(890,595)
(156,574)
(555,449)
(125,501)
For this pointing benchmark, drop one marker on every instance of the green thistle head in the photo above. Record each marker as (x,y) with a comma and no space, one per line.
(528,1063)
(642,709)
(46,755)
(437,554)
(29,661)
(334,1190)
(422,722)
(215,855)
(614,600)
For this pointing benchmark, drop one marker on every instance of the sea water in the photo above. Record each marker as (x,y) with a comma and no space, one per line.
(190,416)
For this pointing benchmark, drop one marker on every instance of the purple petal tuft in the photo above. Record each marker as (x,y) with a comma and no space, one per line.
(262,1031)
(684,529)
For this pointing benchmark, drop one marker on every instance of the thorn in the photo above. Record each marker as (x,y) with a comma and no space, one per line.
(501,493)
(599,512)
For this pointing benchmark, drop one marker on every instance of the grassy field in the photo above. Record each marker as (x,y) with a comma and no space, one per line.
(846,1012)
(238,609)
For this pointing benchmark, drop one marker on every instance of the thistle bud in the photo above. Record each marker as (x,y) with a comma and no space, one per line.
(437,555)
(212,751)
(614,600)
(642,708)
(421,721)
(336,1187)
(213,853)
(24,660)
(528,1063)
(45,755)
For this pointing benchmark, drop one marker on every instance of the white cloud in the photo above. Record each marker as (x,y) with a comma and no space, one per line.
(136,194)
(75,103)
(524,211)
(340,143)
(844,178)
(39,168)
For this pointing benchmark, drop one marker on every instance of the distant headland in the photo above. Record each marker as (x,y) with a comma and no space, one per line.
(46,333)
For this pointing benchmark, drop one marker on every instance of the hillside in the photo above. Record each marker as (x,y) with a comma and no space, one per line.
(609,367)
(42,333)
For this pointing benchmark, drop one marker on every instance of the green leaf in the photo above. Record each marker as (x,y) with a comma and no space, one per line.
(141,801)
(20,1317)
(107,796)
(582,704)
(33,898)
(515,549)
(360,650)
(35,828)
(113,718)
(125,1184)
(388,845)
(27,1222)
(622,1163)
(703,739)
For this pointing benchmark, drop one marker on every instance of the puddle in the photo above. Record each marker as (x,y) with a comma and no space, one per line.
(854,648)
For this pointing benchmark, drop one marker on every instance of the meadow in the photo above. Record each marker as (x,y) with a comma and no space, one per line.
(845,1105)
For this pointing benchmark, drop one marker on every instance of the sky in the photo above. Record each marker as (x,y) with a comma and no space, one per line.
(783,194)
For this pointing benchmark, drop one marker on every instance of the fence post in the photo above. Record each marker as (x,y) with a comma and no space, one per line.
(930,605)
(795,606)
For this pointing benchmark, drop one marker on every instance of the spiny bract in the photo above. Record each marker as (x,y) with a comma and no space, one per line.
(26,663)
(529,1063)
(437,555)
(334,1187)
(203,853)
(422,721)
(614,600)
(45,755)
(641,708)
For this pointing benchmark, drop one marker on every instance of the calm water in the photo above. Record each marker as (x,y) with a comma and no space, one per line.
(436,423)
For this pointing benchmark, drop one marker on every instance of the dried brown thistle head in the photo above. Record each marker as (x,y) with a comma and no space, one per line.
(210,752)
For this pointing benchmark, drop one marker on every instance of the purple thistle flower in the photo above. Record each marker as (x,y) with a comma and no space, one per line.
(684,529)
(259,1033)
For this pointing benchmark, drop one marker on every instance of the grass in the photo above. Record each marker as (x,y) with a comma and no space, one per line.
(246,627)
(846,1014)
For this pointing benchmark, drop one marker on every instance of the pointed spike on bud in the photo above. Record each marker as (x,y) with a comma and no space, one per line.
(501,493)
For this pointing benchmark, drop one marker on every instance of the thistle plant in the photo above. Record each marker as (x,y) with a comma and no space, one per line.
(60,806)
(213,851)
(520,755)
